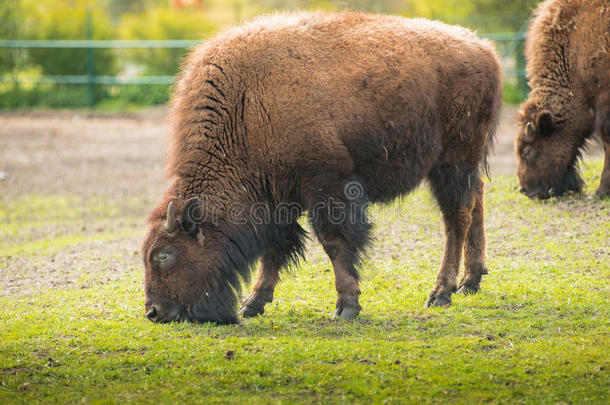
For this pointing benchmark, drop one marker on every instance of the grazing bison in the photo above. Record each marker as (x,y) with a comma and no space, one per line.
(321,113)
(568,66)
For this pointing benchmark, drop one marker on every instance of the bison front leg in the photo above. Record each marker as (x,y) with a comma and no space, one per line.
(346,275)
(337,212)
(475,245)
(453,188)
(268,276)
(285,244)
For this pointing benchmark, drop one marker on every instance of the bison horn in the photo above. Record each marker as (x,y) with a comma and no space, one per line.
(170,224)
(530,134)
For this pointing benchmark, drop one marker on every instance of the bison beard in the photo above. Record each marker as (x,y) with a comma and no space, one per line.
(323,113)
(570,181)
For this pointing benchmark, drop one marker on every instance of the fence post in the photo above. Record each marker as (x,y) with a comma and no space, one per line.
(90,63)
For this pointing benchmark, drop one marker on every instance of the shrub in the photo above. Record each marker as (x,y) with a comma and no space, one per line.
(45,96)
(152,94)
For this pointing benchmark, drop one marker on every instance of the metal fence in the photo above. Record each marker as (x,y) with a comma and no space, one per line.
(515,42)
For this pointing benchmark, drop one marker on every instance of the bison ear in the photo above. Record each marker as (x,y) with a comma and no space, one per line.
(191,217)
(544,122)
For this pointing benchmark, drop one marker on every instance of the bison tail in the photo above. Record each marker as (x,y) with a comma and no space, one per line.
(492,126)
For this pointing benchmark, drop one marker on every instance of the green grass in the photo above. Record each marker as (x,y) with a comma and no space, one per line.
(42,225)
(538,332)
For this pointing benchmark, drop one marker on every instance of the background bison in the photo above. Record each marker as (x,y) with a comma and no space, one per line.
(324,113)
(568,66)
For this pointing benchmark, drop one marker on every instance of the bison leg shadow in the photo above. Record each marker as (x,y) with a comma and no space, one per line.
(459,192)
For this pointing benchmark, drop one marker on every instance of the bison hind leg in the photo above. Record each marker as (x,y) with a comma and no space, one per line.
(474,249)
(454,189)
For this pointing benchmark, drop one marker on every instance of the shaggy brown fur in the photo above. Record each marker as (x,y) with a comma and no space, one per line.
(321,113)
(568,66)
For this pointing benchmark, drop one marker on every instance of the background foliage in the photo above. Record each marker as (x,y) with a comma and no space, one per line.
(156,19)
(162,23)
(67,20)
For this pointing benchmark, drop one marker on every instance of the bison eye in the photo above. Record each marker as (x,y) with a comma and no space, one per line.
(166,258)
(528,152)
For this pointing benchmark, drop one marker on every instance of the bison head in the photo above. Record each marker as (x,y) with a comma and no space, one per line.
(189,275)
(548,155)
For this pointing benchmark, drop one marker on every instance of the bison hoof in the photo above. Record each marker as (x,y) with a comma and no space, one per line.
(438,299)
(602,194)
(471,281)
(347,308)
(252,307)
(468,287)
(347,313)
(465,290)
(254,304)
(249,311)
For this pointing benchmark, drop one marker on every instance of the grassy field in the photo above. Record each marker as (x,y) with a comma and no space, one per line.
(72,325)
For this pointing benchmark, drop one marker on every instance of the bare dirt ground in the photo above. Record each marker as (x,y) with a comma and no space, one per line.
(84,154)
(116,155)
(108,156)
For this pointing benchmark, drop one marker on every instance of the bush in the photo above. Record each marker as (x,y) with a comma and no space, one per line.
(162,23)
(76,96)
(67,20)
(152,94)
(45,96)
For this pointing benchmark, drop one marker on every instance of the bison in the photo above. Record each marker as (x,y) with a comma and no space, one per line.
(321,113)
(568,67)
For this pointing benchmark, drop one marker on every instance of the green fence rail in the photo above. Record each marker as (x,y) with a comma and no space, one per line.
(86,79)
(90,79)
(97,43)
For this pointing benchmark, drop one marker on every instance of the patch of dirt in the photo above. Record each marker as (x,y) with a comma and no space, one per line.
(82,266)
(114,156)
(118,155)
(19,370)
(71,153)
